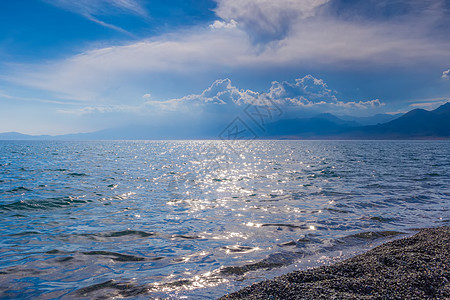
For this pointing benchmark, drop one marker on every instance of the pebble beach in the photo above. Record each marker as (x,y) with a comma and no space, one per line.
(416,267)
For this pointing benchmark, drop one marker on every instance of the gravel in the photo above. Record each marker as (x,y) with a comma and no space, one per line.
(416,267)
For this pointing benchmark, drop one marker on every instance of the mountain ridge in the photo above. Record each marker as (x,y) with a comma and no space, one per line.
(415,124)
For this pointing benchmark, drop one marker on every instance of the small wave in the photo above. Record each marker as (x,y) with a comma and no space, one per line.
(77,174)
(64,259)
(288,244)
(186,237)
(372,235)
(327,173)
(138,233)
(18,215)
(128,234)
(239,249)
(121,257)
(342,211)
(381,219)
(22,270)
(25,233)
(55,251)
(50,203)
(124,289)
(275,260)
(302,242)
(19,189)
(123,196)
(433,174)
(281,259)
(285,225)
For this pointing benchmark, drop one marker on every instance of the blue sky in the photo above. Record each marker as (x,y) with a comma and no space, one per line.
(79,66)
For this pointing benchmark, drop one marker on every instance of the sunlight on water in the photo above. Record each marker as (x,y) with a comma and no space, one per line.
(198,219)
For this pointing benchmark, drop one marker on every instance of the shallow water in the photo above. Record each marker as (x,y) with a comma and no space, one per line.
(198,219)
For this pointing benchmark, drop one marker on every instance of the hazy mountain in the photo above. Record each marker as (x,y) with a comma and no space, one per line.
(372,120)
(320,125)
(21,136)
(416,124)
(143,132)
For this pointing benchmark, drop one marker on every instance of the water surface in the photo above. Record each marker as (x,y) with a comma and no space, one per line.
(199,219)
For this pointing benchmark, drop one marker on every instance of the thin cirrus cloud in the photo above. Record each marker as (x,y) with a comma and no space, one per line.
(93,9)
(284,34)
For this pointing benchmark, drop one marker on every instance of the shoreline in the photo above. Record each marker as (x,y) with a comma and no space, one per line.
(415,267)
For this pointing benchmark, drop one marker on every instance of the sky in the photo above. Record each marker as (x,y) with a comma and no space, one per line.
(79,66)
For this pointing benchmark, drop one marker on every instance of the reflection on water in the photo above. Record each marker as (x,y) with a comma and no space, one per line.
(202,218)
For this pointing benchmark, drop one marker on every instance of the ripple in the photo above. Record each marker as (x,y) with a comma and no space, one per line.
(239,249)
(372,235)
(381,219)
(106,254)
(19,189)
(186,237)
(25,233)
(77,174)
(285,225)
(45,204)
(118,256)
(164,217)
(122,233)
(120,289)
(275,260)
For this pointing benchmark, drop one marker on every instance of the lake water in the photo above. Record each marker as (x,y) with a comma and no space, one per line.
(198,219)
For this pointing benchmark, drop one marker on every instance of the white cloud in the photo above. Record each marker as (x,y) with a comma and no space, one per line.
(102,109)
(33,99)
(221,94)
(311,41)
(305,94)
(267,20)
(309,88)
(220,24)
(92,9)
(446,74)
(89,75)
(101,7)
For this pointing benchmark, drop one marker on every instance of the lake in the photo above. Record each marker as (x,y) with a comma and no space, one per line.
(199,219)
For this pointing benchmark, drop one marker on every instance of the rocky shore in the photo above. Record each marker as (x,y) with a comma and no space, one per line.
(416,267)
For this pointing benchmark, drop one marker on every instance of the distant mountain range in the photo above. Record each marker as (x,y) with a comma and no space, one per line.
(416,124)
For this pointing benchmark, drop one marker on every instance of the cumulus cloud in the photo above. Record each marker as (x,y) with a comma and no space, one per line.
(220,24)
(308,88)
(220,96)
(309,92)
(306,93)
(446,74)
